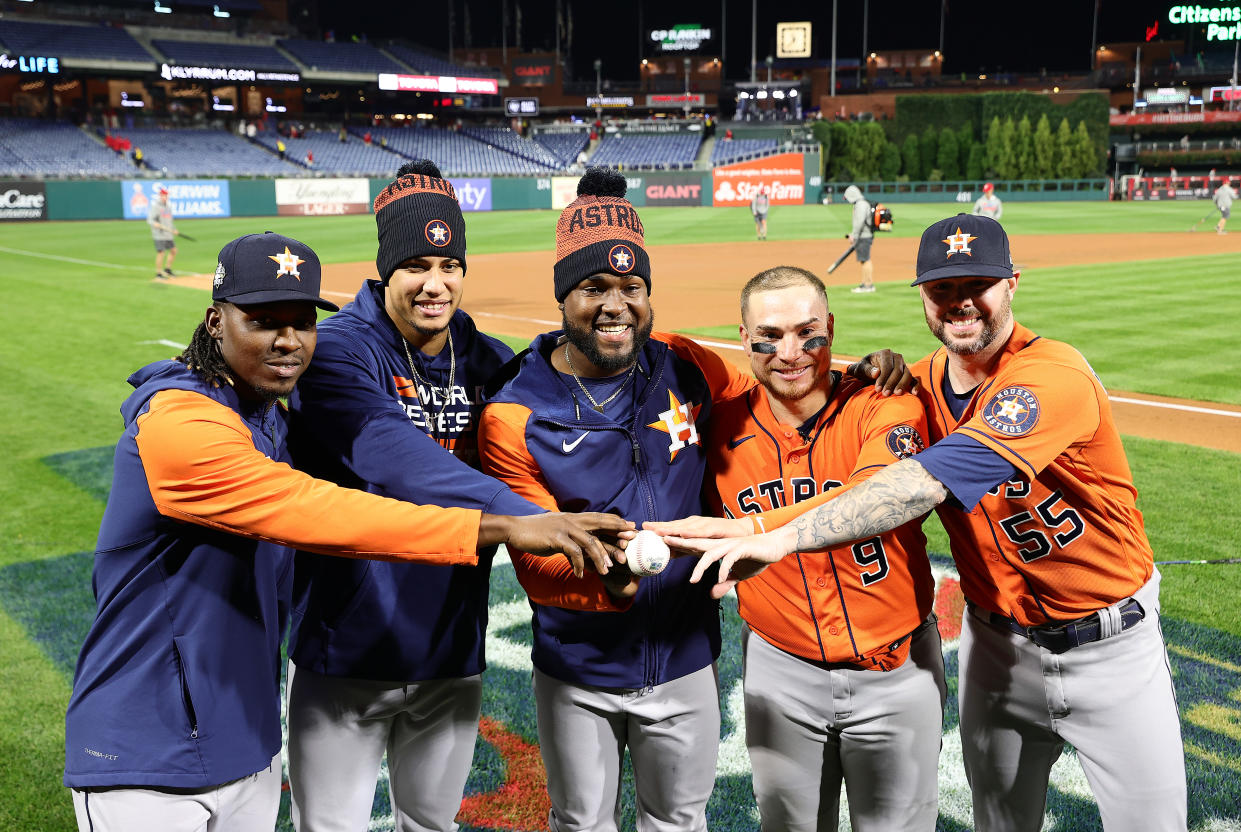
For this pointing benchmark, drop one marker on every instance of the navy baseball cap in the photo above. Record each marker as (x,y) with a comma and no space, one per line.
(268,267)
(964,246)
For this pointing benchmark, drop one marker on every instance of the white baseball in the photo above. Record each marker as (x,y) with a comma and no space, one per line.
(647,554)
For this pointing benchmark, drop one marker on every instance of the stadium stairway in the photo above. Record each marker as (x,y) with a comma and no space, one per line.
(703,160)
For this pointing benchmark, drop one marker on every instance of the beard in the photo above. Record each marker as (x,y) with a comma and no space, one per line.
(992,325)
(610,363)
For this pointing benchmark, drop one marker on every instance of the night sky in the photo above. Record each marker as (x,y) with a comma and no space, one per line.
(979,36)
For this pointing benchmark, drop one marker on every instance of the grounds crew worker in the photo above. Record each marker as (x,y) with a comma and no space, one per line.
(1224,195)
(174,719)
(163,232)
(1060,641)
(862,235)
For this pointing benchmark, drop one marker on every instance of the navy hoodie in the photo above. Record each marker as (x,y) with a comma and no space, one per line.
(357,420)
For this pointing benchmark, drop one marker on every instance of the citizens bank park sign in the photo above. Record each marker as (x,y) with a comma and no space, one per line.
(1222,22)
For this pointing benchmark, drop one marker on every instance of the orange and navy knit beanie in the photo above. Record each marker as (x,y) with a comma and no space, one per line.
(599,232)
(417,215)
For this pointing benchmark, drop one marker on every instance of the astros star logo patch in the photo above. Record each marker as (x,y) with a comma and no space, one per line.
(1013,411)
(438,233)
(959,243)
(678,422)
(621,257)
(903,441)
(288,262)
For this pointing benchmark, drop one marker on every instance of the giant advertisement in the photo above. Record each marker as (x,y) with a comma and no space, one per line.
(188,198)
(783,176)
(22,201)
(322,197)
(681,189)
(473,194)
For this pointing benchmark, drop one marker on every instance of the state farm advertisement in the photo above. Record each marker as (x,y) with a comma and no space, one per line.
(322,197)
(783,175)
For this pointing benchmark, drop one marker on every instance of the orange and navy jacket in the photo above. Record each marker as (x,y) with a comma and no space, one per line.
(178,681)
(358,421)
(1063,537)
(550,446)
(855,604)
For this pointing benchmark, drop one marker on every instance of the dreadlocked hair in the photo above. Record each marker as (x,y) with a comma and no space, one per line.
(204,358)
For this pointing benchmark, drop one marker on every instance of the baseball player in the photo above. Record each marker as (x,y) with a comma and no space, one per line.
(759,205)
(388,657)
(174,720)
(988,205)
(607,416)
(1060,641)
(1224,195)
(862,236)
(164,232)
(843,670)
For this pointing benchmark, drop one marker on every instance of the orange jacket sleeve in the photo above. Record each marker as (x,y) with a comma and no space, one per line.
(202,468)
(547,580)
(725,380)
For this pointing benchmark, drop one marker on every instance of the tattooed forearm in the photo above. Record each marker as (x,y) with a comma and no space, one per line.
(894,496)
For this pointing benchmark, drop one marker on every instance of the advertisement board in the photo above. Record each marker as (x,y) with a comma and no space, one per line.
(783,175)
(22,201)
(322,197)
(564,191)
(678,189)
(473,194)
(532,72)
(438,83)
(188,198)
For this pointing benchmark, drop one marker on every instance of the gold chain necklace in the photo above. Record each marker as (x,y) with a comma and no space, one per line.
(598,406)
(452,378)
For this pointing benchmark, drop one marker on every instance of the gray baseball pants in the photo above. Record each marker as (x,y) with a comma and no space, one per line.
(672,732)
(248,804)
(809,727)
(1112,700)
(339,730)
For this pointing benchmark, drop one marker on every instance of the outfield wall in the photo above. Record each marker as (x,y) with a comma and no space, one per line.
(788,178)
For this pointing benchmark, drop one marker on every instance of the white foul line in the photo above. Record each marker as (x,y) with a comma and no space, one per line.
(1190,408)
(66,259)
(164,342)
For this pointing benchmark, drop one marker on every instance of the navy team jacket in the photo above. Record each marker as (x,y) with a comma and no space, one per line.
(357,421)
(540,435)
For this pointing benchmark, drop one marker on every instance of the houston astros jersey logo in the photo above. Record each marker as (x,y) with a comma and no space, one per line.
(1013,411)
(288,263)
(621,257)
(959,243)
(678,422)
(438,233)
(903,441)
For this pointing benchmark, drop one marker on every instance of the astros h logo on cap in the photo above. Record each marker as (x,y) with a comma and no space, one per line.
(981,240)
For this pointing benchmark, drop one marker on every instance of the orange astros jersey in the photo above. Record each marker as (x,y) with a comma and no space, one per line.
(852,604)
(1064,538)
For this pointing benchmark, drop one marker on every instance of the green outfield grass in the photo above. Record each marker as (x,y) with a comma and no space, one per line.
(73,331)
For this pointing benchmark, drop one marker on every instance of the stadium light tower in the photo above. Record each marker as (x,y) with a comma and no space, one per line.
(598,89)
(686,59)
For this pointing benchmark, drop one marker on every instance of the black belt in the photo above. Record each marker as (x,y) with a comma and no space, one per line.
(1060,638)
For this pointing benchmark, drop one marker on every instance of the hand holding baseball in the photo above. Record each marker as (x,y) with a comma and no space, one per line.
(647,554)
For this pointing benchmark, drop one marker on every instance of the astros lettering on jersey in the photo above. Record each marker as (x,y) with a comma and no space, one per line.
(854,604)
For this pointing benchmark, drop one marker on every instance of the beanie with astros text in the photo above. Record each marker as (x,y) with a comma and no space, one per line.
(599,232)
(418,215)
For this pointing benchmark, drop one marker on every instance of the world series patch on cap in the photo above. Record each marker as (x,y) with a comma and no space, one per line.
(266,268)
(964,246)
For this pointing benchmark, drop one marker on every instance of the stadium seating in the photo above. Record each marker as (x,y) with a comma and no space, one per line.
(565,147)
(66,40)
(341,57)
(455,153)
(425,64)
(737,150)
(206,153)
(664,151)
(30,148)
(506,139)
(351,158)
(201,53)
